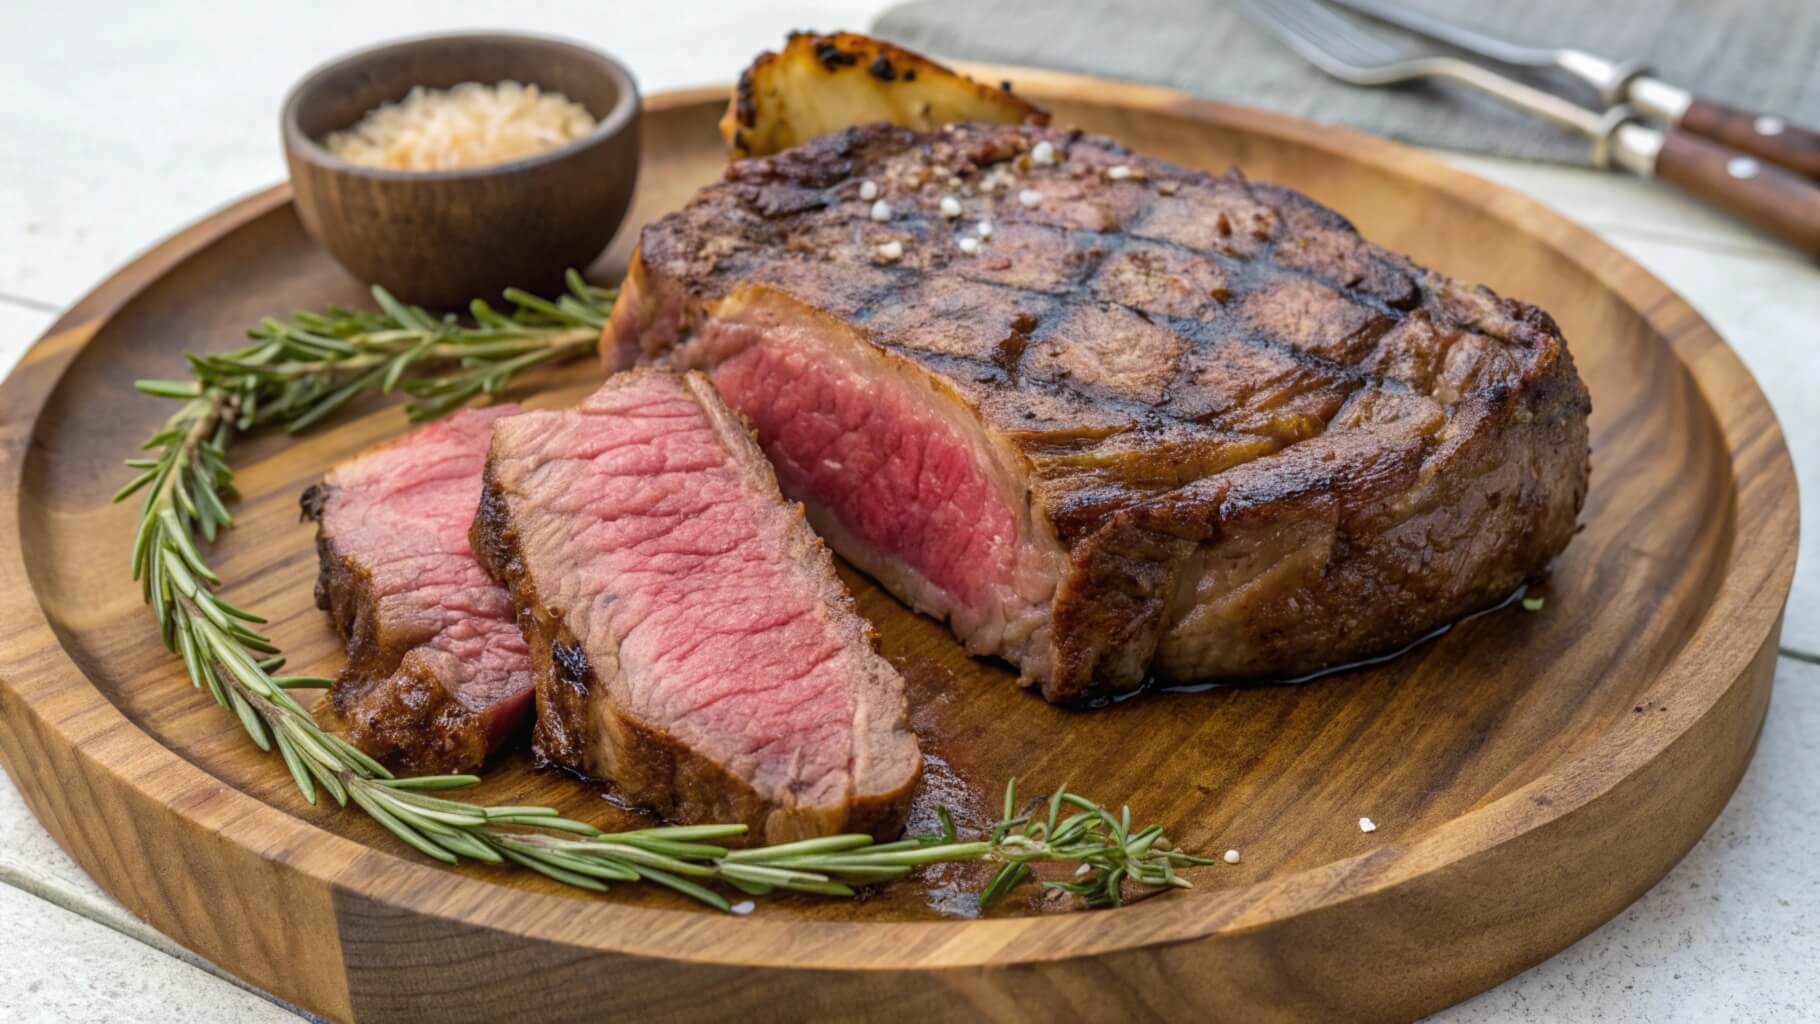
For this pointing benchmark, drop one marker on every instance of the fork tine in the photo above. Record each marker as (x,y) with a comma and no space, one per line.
(1324,38)
(1342,49)
(1341,30)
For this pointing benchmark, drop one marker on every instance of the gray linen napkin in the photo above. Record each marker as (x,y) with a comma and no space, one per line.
(1763,56)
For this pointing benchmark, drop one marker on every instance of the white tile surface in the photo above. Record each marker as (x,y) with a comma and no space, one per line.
(1731,934)
(60,968)
(32,864)
(30,859)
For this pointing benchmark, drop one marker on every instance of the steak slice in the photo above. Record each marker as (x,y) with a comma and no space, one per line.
(1158,424)
(689,639)
(437,678)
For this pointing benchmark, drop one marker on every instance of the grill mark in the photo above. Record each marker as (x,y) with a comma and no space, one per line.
(1087,251)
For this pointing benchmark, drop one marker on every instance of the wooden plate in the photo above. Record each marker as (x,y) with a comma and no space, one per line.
(1530,774)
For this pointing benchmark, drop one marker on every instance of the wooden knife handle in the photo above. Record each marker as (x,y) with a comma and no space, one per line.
(1772,197)
(1764,136)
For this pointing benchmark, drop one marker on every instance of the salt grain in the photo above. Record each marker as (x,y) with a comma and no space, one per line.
(984,229)
(1232,857)
(970,246)
(1118,172)
(881,211)
(891,251)
(1367,825)
(951,207)
(1030,197)
(470,125)
(868,190)
(1042,154)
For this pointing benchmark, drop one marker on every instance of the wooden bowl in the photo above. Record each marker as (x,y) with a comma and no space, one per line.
(440,238)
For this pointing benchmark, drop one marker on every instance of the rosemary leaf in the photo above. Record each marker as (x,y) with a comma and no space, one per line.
(399,828)
(300,774)
(169,388)
(433,781)
(545,867)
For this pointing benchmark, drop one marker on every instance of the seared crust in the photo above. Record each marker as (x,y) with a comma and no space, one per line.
(645,763)
(1266,445)
(413,725)
(344,590)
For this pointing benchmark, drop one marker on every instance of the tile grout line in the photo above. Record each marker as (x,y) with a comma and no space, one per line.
(140,932)
(1803,656)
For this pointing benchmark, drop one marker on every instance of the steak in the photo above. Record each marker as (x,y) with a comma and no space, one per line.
(1159,424)
(689,639)
(437,678)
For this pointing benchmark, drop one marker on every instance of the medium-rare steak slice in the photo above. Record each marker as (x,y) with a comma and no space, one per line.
(1112,418)
(689,639)
(437,677)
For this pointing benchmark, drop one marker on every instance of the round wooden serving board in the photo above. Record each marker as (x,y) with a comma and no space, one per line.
(1530,774)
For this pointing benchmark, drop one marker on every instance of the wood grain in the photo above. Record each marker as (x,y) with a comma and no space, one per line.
(1790,145)
(1531,774)
(1779,200)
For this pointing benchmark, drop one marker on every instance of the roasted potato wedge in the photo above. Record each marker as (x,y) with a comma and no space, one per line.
(824,83)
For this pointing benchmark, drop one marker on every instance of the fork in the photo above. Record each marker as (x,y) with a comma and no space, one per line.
(1775,199)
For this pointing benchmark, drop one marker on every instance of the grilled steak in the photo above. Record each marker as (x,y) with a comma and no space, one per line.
(689,639)
(1158,423)
(437,678)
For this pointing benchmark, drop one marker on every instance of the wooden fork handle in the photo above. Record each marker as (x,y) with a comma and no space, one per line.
(1767,137)
(1773,197)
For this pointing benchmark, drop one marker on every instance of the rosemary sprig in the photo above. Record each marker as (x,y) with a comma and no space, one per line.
(298,371)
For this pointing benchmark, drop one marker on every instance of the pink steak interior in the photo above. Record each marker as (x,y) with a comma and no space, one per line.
(898,476)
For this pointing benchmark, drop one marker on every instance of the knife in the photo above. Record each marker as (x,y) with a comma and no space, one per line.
(1763,136)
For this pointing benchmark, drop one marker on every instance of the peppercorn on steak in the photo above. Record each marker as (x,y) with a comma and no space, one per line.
(1111,418)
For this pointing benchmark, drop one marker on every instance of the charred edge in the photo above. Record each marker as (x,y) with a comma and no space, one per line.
(344,590)
(488,536)
(556,655)
(414,725)
(745,104)
(832,57)
(312,501)
(881,69)
(672,781)
(571,665)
